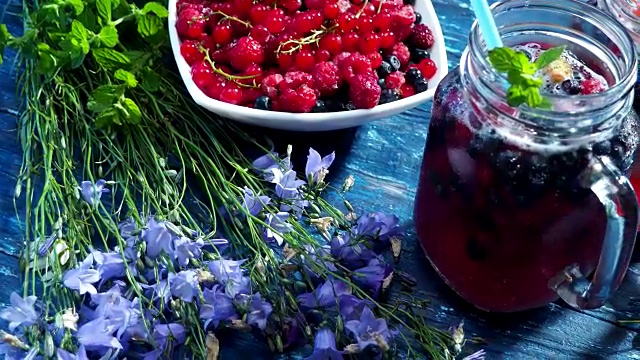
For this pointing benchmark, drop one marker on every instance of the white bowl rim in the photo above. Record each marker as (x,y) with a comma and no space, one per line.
(282,120)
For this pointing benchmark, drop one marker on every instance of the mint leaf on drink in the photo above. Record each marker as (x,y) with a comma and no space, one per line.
(525,85)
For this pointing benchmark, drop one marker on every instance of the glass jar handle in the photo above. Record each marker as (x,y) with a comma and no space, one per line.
(614,191)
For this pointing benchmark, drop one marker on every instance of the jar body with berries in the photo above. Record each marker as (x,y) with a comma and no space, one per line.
(627,12)
(517,206)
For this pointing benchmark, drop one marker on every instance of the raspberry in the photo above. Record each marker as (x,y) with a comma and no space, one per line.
(375,59)
(591,86)
(401,51)
(428,68)
(364,91)
(370,43)
(245,52)
(395,80)
(300,100)
(270,84)
(402,20)
(421,37)
(353,65)
(190,52)
(327,79)
(295,79)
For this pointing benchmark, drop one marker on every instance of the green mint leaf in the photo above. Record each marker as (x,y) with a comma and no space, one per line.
(502,59)
(149,25)
(128,78)
(131,111)
(110,59)
(105,96)
(89,20)
(108,118)
(108,36)
(549,56)
(5,36)
(104,9)
(74,51)
(150,80)
(522,64)
(155,8)
(532,97)
(78,6)
(78,30)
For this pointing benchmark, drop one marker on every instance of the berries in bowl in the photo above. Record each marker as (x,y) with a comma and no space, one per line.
(307,65)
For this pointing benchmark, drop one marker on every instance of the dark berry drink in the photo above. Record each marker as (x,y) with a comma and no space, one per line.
(499,219)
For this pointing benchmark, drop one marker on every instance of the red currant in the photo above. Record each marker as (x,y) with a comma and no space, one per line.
(350,41)
(369,10)
(254,75)
(258,13)
(332,43)
(376,59)
(382,21)
(291,5)
(222,33)
(316,18)
(387,39)
(407,90)
(274,22)
(202,74)
(365,25)
(322,55)
(428,68)
(196,28)
(242,7)
(370,43)
(285,61)
(190,52)
(315,4)
(331,11)
(304,61)
(346,22)
(216,86)
(231,95)
(259,33)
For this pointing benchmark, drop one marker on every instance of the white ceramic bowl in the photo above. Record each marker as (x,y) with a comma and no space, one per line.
(315,121)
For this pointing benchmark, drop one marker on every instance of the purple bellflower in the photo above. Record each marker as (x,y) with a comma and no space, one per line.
(120,311)
(316,168)
(368,330)
(266,163)
(184,285)
(98,335)
(217,306)
(371,276)
(21,312)
(279,224)
(377,225)
(91,193)
(287,184)
(254,204)
(186,249)
(224,270)
(324,346)
(82,278)
(158,238)
(109,265)
(478,355)
(160,291)
(65,355)
(324,296)
(351,253)
(162,333)
(351,307)
(259,311)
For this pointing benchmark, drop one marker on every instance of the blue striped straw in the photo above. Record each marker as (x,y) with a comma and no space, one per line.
(487,24)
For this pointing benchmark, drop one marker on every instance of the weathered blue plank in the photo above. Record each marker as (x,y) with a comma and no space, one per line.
(384,157)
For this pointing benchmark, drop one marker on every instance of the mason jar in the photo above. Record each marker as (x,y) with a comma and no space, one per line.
(516,207)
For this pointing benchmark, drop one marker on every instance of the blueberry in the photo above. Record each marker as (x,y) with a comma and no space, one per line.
(413,75)
(348,106)
(421,85)
(571,87)
(386,68)
(418,18)
(382,83)
(418,54)
(393,61)
(319,107)
(475,250)
(602,148)
(262,103)
(389,95)
(410,2)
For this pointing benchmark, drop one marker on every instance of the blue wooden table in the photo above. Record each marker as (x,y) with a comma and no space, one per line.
(384,158)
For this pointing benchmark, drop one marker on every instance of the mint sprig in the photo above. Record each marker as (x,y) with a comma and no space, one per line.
(525,85)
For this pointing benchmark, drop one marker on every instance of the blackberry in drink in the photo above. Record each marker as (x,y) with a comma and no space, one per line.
(516,207)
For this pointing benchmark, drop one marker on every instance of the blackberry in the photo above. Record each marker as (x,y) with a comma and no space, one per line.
(602,148)
(319,107)
(382,83)
(418,18)
(418,54)
(571,87)
(421,85)
(262,103)
(412,75)
(394,62)
(389,95)
(385,69)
